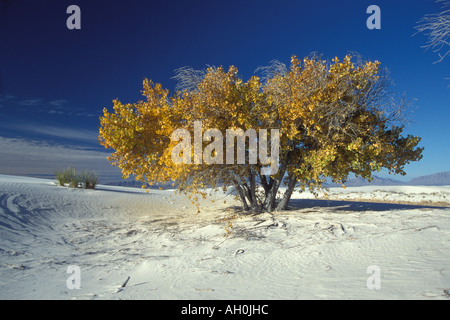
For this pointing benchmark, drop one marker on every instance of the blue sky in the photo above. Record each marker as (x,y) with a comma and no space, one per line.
(54,82)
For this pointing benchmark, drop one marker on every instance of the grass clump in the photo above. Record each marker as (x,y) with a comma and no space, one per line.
(65,176)
(73,179)
(89,179)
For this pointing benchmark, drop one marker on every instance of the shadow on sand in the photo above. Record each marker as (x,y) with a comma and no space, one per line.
(131,190)
(296,204)
(343,205)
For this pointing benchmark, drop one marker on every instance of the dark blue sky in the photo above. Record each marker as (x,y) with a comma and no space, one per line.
(54,82)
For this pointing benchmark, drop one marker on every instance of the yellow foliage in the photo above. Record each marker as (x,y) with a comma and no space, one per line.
(328,126)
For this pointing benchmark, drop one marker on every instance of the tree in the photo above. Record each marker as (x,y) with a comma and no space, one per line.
(333,119)
(437,28)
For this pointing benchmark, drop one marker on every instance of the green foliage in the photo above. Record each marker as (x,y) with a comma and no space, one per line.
(65,176)
(89,179)
(84,179)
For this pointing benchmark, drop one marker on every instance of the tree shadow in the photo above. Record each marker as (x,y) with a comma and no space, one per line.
(334,205)
(357,206)
(127,190)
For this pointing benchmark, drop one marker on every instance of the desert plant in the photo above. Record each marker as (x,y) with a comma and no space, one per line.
(65,175)
(74,181)
(84,179)
(60,176)
(89,179)
(333,118)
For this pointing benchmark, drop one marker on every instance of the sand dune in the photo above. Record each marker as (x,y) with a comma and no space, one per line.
(347,244)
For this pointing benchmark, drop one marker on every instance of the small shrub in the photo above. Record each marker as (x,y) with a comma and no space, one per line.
(89,179)
(65,176)
(85,179)
(60,177)
(74,181)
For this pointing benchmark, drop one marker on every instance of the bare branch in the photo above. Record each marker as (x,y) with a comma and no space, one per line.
(274,68)
(437,27)
(188,78)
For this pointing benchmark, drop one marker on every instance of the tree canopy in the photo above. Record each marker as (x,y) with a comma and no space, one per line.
(323,119)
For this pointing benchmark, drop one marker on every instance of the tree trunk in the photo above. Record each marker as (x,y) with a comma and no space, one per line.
(254,200)
(271,194)
(269,203)
(247,191)
(283,204)
(242,197)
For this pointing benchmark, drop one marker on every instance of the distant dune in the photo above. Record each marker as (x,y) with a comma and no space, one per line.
(436,179)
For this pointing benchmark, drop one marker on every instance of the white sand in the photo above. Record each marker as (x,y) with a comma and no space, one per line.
(321,249)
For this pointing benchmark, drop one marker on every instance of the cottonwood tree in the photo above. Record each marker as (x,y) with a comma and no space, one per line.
(333,119)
